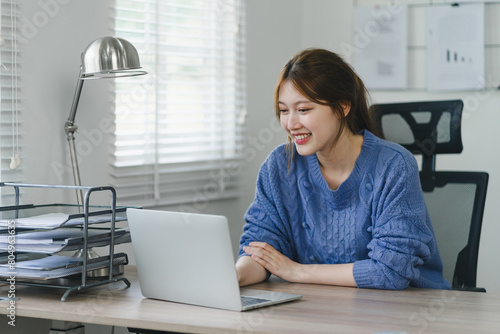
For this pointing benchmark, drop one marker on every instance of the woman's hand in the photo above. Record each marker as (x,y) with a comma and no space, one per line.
(278,264)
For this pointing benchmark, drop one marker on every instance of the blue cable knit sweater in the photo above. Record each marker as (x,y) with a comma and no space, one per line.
(376,219)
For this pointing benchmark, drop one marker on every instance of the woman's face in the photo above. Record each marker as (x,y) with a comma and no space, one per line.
(312,127)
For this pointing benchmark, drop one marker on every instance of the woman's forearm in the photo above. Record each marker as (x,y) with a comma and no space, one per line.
(331,274)
(249,271)
(268,258)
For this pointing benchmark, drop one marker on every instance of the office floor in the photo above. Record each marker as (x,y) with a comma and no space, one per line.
(25,325)
(41,326)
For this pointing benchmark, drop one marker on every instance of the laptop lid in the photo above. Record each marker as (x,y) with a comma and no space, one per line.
(184,257)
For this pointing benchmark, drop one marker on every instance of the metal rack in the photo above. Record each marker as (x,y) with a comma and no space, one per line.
(70,283)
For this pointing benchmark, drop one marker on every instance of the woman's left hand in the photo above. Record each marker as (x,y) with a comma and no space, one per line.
(278,264)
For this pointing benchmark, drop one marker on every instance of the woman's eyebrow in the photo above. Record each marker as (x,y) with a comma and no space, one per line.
(296,102)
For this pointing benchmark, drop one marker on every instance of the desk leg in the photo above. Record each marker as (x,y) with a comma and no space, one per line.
(66,327)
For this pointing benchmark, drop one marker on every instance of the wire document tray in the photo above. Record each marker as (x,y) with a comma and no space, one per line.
(32,235)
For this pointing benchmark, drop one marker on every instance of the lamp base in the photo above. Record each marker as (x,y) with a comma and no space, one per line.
(102,272)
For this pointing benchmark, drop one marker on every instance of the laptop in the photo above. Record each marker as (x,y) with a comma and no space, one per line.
(188,258)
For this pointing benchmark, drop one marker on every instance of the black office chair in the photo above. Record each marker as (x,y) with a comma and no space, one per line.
(455,200)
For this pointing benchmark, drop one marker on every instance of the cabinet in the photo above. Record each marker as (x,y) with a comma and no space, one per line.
(32,237)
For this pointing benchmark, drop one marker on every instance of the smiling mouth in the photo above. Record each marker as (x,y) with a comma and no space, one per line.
(301,137)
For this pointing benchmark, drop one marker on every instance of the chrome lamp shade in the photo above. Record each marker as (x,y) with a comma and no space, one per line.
(110,57)
(106,57)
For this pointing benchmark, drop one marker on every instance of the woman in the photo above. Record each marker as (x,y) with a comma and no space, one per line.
(336,205)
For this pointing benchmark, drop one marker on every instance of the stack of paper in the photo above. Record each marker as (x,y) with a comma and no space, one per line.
(64,239)
(56,266)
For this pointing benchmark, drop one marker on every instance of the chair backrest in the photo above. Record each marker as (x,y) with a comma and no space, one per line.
(456,205)
(455,200)
(426,128)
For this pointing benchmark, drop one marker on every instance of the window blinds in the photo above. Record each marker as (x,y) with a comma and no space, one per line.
(178,131)
(10,109)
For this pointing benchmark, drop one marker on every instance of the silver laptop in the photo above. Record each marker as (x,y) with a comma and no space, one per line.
(188,258)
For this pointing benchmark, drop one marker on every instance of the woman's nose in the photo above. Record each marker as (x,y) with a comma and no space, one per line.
(293,121)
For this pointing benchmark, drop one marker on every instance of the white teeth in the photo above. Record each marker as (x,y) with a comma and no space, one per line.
(302,136)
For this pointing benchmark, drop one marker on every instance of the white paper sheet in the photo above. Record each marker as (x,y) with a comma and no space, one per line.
(55,220)
(465,1)
(380,53)
(455,47)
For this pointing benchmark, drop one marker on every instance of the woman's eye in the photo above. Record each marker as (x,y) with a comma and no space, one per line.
(283,110)
(303,110)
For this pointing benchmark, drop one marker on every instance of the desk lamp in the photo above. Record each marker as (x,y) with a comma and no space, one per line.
(106,57)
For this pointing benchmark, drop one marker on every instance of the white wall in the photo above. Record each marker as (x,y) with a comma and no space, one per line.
(276,29)
(55,36)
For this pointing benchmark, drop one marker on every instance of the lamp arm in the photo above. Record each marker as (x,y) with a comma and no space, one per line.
(76,99)
(70,128)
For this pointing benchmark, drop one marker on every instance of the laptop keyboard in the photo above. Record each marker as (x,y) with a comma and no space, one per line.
(246,301)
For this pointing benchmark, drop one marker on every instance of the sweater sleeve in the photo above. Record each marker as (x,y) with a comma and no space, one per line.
(266,218)
(402,236)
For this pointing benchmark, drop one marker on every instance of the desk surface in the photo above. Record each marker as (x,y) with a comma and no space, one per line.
(323,309)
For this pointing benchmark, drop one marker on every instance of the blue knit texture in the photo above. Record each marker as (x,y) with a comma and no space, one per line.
(376,219)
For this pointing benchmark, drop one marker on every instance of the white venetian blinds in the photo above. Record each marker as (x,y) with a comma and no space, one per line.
(178,130)
(10,110)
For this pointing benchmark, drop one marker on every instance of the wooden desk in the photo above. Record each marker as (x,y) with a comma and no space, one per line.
(323,309)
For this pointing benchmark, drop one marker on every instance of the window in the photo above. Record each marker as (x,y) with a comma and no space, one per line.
(178,130)
(10,111)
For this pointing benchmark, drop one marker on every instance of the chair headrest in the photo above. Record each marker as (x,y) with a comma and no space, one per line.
(427,128)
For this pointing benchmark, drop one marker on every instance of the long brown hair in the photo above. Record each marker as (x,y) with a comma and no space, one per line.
(325,78)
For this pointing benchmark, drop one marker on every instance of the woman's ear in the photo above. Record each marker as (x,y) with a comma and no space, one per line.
(346,107)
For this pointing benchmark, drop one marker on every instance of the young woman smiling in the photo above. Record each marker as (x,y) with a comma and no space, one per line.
(336,204)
